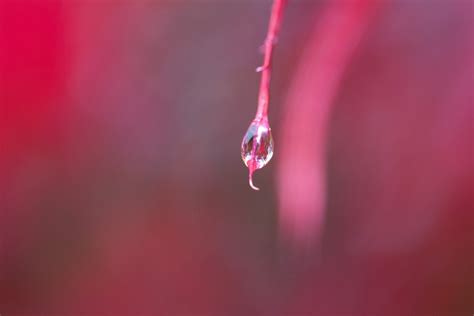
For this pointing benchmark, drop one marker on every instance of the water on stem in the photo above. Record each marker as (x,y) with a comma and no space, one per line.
(257,147)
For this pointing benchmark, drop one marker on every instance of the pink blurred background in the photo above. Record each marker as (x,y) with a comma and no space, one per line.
(122,191)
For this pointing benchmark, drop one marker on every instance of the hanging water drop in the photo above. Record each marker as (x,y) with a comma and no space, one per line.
(257,147)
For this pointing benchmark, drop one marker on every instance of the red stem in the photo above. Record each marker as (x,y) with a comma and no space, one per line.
(272,35)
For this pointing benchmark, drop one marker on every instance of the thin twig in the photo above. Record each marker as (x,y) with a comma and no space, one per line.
(258,135)
(272,36)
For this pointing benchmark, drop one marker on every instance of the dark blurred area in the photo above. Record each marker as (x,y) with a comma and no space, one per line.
(122,190)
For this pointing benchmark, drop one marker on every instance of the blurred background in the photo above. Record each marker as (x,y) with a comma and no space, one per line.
(122,190)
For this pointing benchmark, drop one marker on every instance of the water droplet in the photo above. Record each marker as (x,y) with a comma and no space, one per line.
(257,147)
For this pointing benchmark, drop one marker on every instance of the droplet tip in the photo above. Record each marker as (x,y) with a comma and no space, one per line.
(251,170)
(252,185)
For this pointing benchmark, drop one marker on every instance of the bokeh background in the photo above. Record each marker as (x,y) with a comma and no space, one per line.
(122,190)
